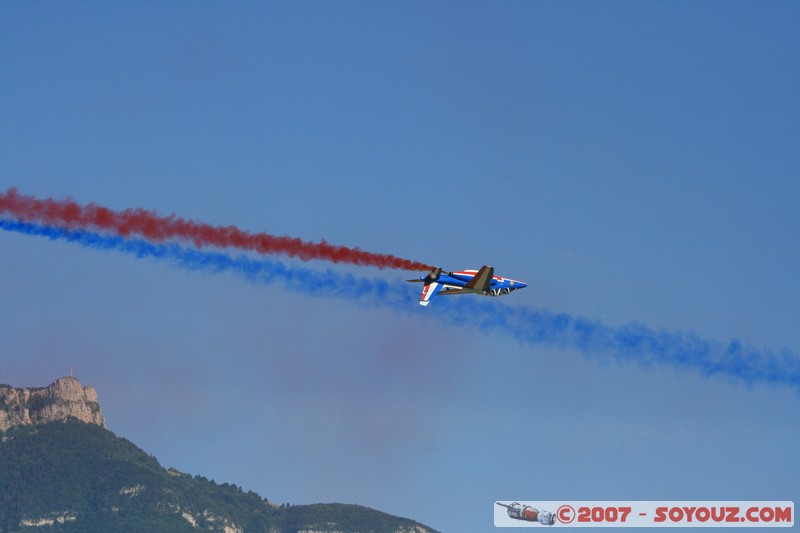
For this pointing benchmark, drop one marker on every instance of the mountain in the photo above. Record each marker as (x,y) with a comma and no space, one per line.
(68,475)
(64,398)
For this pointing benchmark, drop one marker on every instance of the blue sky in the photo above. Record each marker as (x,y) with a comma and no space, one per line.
(633,162)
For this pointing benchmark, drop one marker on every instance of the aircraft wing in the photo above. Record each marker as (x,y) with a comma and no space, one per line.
(482,280)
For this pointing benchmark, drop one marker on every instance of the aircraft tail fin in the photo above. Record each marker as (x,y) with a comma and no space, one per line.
(432,285)
(429,291)
(432,276)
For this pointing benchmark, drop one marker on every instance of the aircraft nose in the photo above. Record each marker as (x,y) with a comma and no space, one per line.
(520,284)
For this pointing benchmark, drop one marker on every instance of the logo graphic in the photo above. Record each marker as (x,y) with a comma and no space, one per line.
(528,513)
(644,513)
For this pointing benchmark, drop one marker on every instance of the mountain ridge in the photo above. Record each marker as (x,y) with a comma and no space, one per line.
(63,398)
(61,474)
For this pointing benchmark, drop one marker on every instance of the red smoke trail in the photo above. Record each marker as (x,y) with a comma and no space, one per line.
(157,228)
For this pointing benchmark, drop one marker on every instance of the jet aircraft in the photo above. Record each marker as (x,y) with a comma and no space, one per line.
(481,281)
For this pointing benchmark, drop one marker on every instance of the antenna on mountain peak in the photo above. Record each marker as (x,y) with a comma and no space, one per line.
(70,372)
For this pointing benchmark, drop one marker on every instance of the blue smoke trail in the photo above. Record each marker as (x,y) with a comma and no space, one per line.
(261,271)
(632,342)
(635,342)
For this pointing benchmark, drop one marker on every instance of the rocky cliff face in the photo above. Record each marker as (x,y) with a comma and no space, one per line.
(60,400)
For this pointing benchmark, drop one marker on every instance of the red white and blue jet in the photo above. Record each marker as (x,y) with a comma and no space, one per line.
(481,281)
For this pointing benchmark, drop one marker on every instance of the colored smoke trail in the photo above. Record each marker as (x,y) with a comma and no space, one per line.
(260,271)
(635,342)
(531,326)
(156,228)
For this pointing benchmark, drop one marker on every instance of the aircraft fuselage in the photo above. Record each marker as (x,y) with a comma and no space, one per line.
(481,281)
